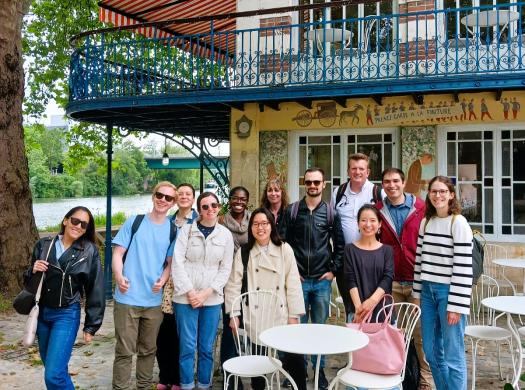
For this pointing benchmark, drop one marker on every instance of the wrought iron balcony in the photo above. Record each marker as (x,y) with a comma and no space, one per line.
(403,47)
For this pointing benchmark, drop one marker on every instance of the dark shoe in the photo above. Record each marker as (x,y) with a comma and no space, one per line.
(286,383)
(323,383)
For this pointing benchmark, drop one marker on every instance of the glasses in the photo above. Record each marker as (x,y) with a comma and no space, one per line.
(206,207)
(316,183)
(75,222)
(438,192)
(160,195)
(263,225)
(239,199)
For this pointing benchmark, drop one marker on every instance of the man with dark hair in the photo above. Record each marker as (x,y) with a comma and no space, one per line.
(310,227)
(401,214)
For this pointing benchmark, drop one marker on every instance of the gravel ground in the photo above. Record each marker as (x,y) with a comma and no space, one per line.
(91,365)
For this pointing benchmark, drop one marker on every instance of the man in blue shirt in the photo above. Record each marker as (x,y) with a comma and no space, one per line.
(138,295)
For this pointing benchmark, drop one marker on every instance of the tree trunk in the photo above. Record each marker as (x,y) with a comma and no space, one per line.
(17,226)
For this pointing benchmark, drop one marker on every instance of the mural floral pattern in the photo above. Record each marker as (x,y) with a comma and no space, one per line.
(418,157)
(273,156)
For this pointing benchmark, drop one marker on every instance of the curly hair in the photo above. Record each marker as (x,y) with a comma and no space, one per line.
(453,204)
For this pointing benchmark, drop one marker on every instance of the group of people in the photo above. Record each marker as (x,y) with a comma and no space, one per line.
(176,276)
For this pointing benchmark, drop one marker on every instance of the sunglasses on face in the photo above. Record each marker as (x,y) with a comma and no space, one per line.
(160,195)
(205,207)
(316,183)
(75,222)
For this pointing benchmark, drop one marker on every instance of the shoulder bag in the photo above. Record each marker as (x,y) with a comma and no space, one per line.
(25,300)
(385,352)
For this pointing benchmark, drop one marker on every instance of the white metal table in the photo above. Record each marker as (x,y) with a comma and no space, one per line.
(490,18)
(510,305)
(313,339)
(513,263)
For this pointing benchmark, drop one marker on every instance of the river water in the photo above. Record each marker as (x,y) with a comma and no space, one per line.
(49,212)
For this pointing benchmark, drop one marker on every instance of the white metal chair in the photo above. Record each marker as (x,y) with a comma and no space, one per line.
(405,317)
(481,325)
(253,360)
(497,272)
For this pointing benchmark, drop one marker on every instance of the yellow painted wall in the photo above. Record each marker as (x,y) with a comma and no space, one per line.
(244,152)
(395,111)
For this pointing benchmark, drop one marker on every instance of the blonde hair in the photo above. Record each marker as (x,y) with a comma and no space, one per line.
(165,184)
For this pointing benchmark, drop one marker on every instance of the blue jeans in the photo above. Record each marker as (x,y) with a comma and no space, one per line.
(56,331)
(316,295)
(197,330)
(443,343)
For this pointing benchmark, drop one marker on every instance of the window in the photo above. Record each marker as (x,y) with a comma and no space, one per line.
(485,165)
(330,152)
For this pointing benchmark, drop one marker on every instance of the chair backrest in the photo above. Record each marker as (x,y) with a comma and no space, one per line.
(491,252)
(260,310)
(405,316)
(485,288)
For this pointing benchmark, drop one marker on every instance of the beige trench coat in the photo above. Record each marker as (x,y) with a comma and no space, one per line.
(276,271)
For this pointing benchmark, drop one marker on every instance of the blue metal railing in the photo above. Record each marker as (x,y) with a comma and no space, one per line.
(403,46)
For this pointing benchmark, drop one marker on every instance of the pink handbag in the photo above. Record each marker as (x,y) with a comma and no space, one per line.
(385,352)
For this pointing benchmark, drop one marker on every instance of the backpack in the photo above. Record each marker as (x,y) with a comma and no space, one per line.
(136,224)
(376,193)
(245,257)
(478,251)
(295,209)
(412,373)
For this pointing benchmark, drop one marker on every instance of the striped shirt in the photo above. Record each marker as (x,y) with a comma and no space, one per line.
(444,255)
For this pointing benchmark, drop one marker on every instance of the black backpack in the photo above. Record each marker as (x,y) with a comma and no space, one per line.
(376,193)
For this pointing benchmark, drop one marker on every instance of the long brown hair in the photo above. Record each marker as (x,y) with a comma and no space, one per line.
(453,204)
(275,182)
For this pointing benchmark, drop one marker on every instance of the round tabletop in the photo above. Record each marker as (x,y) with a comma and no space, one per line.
(490,18)
(509,304)
(514,263)
(313,339)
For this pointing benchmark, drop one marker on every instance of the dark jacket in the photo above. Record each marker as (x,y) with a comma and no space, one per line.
(404,245)
(309,235)
(76,273)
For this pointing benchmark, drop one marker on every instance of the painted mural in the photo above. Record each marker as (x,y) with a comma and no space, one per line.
(482,107)
(418,158)
(273,152)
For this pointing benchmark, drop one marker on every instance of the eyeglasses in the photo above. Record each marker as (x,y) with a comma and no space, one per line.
(263,225)
(316,183)
(75,222)
(438,192)
(238,199)
(205,207)
(160,195)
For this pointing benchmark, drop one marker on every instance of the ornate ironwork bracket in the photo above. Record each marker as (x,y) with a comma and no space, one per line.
(218,169)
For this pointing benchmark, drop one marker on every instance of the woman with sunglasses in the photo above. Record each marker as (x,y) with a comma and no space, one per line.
(443,283)
(275,199)
(271,266)
(72,270)
(203,260)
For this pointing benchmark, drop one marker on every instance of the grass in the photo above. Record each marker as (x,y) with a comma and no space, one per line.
(100,222)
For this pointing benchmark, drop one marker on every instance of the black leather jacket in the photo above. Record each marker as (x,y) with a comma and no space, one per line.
(309,235)
(76,273)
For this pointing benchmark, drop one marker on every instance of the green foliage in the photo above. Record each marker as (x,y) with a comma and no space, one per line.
(48,59)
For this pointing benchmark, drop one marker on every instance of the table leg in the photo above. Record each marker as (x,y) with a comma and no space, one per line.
(316,374)
(517,362)
(279,367)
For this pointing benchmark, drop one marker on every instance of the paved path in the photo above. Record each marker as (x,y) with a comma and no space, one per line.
(91,365)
